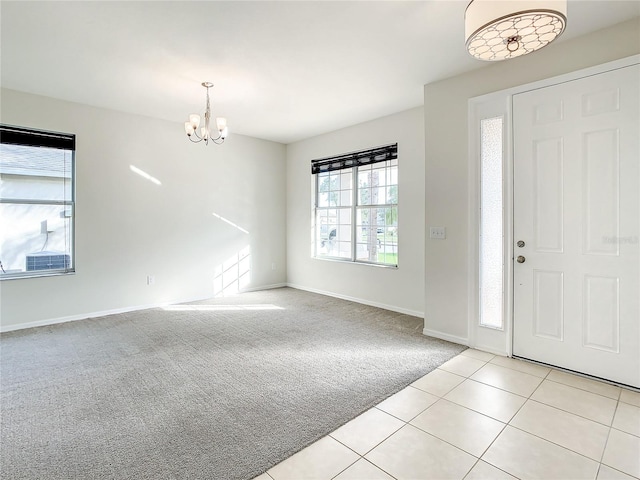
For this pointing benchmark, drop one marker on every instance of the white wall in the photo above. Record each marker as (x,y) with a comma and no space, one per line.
(446,150)
(400,289)
(128,228)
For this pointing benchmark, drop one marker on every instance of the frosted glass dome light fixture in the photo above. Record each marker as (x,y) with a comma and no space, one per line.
(191,127)
(503,29)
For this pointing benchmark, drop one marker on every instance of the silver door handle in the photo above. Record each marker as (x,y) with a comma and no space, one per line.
(520,259)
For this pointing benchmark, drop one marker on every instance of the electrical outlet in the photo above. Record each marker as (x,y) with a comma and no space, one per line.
(151,280)
(438,233)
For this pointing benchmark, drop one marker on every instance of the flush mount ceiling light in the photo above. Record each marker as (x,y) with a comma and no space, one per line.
(191,127)
(501,29)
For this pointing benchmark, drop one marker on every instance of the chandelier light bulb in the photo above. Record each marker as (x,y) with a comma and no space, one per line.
(499,30)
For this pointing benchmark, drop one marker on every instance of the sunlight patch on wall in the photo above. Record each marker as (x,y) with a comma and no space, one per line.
(234,274)
(145,175)
(230,223)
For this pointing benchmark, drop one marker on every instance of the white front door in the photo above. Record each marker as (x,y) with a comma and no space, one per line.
(576,225)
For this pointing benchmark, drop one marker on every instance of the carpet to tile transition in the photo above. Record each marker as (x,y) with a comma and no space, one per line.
(222,389)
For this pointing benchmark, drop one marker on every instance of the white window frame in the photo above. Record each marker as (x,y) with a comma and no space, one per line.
(353,208)
(481,108)
(67,204)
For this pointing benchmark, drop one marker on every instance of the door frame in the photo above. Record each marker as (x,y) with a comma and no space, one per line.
(500,103)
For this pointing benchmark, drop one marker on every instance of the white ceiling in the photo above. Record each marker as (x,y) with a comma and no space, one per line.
(283,71)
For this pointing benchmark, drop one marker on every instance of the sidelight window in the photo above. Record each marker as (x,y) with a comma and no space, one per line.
(491,223)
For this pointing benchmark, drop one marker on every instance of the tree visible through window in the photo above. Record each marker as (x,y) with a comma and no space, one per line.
(356,206)
(36,202)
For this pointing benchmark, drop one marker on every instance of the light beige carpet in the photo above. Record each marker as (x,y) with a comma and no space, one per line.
(222,389)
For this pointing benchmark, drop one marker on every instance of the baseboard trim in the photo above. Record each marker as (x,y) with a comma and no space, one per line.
(264,287)
(494,351)
(102,313)
(85,316)
(446,336)
(393,308)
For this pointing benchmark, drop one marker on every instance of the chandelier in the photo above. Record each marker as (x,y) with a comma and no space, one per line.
(499,30)
(191,127)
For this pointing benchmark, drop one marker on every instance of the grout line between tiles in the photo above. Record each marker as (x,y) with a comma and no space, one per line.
(558,445)
(585,390)
(501,389)
(380,468)
(362,457)
(472,467)
(348,466)
(446,441)
(377,444)
(606,443)
(516,370)
(575,414)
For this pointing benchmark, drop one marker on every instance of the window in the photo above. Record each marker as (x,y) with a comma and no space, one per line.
(356,206)
(491,229)
(37,176)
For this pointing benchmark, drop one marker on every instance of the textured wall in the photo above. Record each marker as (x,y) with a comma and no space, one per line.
(446,153)
(128,227)
(400,289)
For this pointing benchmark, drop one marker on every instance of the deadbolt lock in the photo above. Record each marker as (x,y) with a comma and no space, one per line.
(520,243)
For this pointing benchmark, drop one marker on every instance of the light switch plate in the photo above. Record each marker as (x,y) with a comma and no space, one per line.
(439,233)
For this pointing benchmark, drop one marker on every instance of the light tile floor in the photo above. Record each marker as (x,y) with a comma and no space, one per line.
(480,416)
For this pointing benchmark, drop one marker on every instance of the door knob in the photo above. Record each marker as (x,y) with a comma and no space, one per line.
(520,243)
(520,259)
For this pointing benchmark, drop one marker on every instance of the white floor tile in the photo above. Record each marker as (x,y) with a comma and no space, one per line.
(568,423)
(478,354)
(565,429)
(438,382)
(608,473)
(459,426)
(622,453)
(632,398)
(320,461)
(522,366)
(483,471)
(363,470)
(411,453)
(583,383)
(487,400)
(367,430)
(264,476)
(580,402)
(507,379)
(407,403)
(526,456)
(462,365)
(627,419)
